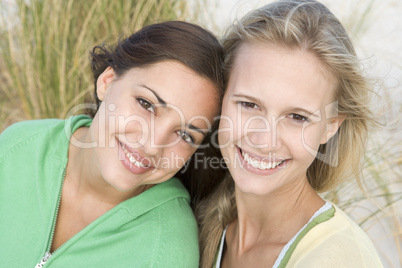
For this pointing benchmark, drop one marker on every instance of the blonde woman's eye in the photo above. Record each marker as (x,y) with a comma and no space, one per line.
(146,105)
(299,118)
(249,105)
(186,136)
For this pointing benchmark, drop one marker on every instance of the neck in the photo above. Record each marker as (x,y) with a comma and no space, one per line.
(274,218)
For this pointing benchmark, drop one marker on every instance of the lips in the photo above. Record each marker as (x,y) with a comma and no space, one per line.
(133,160)
(134,157)
(261,165)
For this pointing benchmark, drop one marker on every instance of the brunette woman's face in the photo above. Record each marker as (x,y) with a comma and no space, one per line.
(150,122)
(277,110)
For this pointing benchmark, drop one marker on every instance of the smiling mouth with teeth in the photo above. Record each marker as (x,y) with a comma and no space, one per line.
(131,158)
(262,165)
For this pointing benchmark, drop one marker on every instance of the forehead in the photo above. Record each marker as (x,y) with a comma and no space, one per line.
(281,74)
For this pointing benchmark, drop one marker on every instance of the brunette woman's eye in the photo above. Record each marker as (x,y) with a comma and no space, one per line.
(249,105)
(146,105)
(299,118)
(186,136)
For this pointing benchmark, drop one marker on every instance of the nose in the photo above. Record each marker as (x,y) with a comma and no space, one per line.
(262,134)
(159,136)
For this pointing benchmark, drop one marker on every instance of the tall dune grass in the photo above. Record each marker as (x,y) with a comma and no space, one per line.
(44,44)
(379,212)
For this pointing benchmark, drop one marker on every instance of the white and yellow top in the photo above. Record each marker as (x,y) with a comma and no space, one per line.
(329,239)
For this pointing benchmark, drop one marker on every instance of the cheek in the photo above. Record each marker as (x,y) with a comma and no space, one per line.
(233,125)
(134,128)
(106,118)
(99,128)
(177,155)
(225,131)
(308,140)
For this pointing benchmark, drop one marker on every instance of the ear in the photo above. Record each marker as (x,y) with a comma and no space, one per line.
(332,127)
(102,84)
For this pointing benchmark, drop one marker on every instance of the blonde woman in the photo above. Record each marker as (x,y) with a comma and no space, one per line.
(294,120)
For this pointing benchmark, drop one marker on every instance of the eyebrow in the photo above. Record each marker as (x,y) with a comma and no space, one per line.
(247,97)
(196,129)
(164,104)
(160,100)
(294,109)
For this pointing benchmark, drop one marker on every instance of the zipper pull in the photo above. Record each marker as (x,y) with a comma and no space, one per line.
(44,260)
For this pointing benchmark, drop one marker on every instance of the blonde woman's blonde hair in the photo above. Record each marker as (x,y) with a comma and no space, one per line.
(307,25)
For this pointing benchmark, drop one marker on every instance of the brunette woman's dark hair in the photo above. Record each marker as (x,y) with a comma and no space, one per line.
(187,43)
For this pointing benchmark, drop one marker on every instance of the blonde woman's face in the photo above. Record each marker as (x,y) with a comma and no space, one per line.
(277,110)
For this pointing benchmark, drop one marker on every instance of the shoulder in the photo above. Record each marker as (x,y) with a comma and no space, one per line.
(24,131)
(167,224)
(338,242)
(173,206)
(178,245)
(30,132)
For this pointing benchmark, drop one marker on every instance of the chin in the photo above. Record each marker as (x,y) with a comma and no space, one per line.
(253,187)
(123,185)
